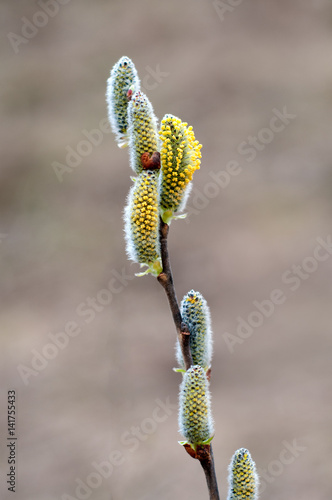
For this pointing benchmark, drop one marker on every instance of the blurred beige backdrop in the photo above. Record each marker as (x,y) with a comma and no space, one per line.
(88,348)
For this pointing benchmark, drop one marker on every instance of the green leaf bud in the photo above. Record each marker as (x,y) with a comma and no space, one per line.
(195,419)
(122,83)
(142,131)
(180,157)
(196,314)
(142,222)
(243,479)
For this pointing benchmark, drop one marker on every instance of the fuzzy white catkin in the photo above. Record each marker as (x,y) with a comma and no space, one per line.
(123,80)
(196,314)
(195,417)
(243,479)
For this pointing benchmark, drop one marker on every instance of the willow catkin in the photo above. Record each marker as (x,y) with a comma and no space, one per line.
(122,83)
(195,418)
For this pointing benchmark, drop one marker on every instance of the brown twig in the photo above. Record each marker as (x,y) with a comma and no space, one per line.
(210,474)
(203,453)
(165,278)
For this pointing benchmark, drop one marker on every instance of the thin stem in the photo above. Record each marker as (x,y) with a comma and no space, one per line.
(210,475)
(165,278)
(204,454)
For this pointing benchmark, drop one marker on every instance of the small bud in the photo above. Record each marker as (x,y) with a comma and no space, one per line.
(142,130)
(150,163)
(196,315)
(121,84)
(243,479)
(142,222)
(195,420)
(180,157)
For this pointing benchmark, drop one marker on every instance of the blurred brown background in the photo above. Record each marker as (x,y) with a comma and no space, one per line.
(227,71)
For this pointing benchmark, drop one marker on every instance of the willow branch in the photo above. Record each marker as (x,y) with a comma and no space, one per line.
(165,278)
(210,474)
(203,453)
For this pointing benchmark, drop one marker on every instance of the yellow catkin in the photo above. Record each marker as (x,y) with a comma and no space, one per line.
(195,419)
(142,130)
(180,157)
(142,221)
